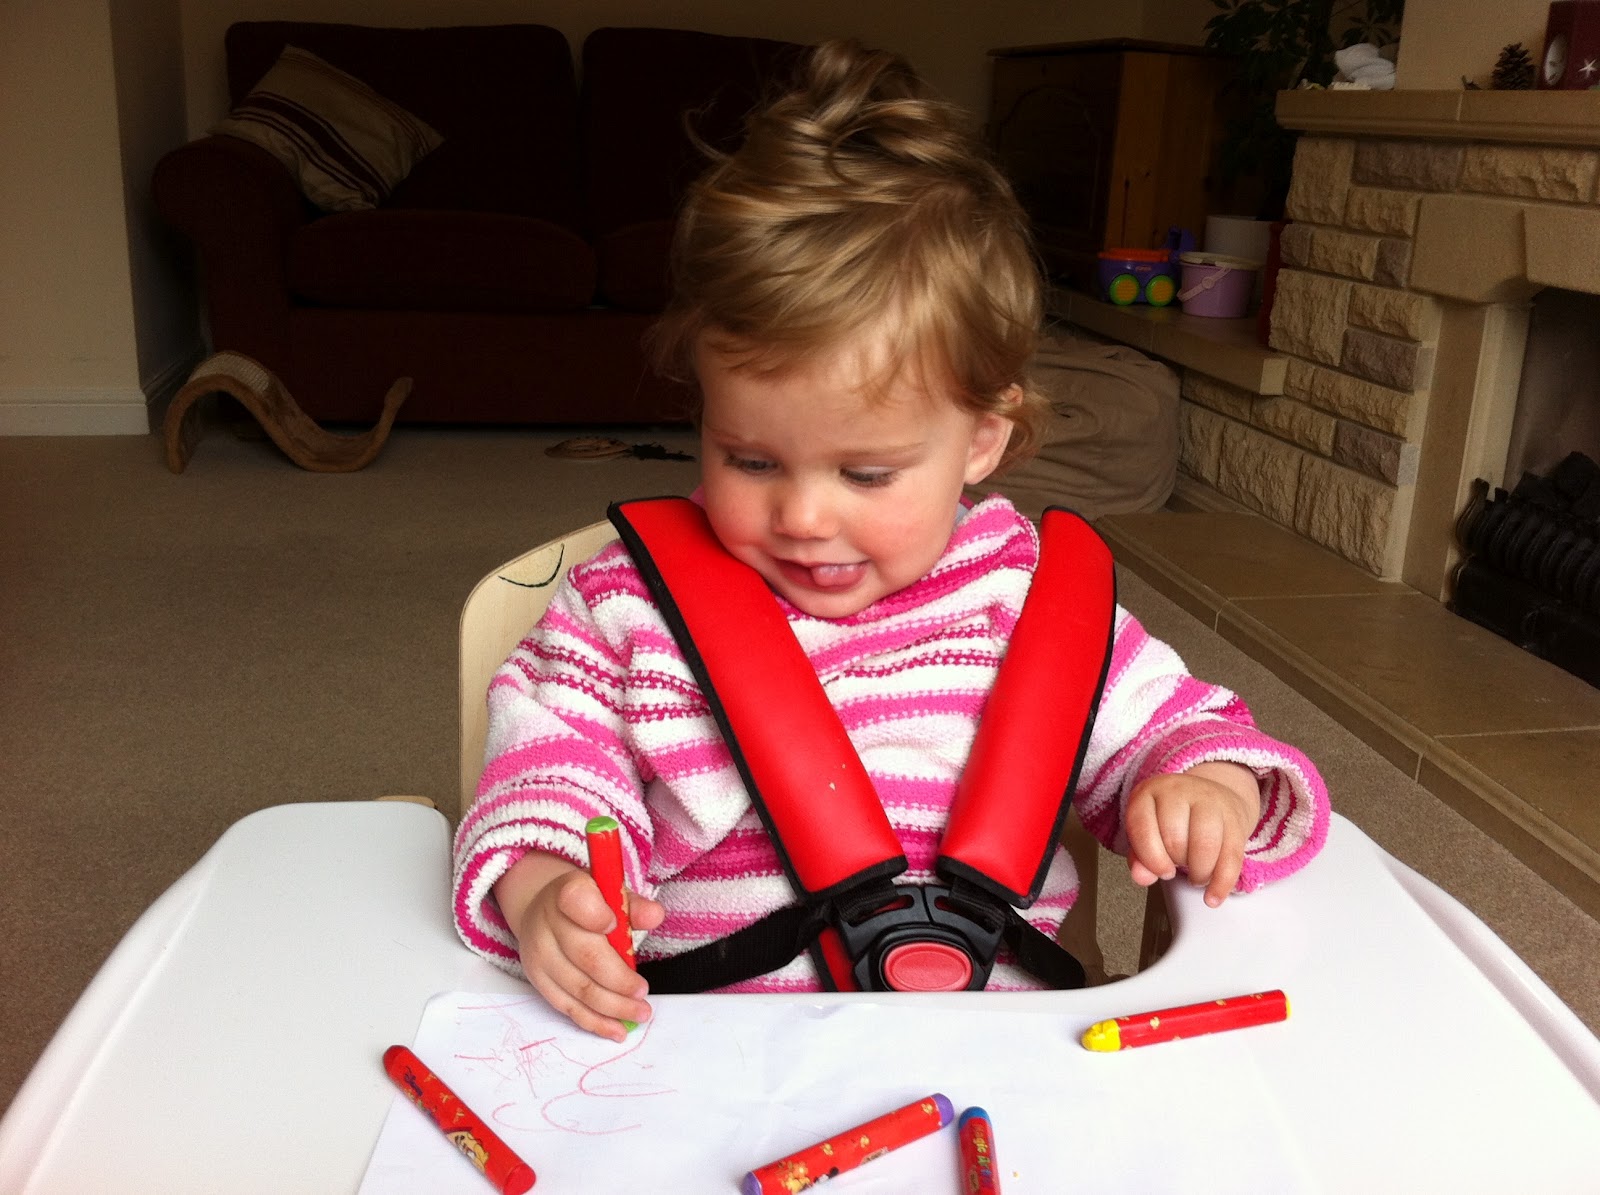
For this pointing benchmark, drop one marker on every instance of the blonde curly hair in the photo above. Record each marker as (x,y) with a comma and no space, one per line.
(859,204)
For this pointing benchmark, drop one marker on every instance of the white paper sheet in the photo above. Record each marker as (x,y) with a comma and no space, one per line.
(715,1086)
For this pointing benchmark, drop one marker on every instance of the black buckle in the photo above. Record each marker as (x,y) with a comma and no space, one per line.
(934,937)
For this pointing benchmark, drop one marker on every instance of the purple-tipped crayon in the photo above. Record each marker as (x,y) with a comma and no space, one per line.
(851,1148)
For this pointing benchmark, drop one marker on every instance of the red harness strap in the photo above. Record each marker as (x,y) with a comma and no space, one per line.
(799,765)
(818,804)
(1036,724)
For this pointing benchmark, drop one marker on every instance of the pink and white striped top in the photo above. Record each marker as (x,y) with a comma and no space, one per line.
(596,711)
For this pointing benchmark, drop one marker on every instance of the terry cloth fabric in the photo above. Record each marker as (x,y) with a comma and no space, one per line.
(596,712)
(345,144)
(1111,446)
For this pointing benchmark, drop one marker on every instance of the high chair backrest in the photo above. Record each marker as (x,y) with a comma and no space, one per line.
(499,612)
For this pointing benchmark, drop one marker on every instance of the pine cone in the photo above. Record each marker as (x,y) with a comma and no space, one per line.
(1514,69)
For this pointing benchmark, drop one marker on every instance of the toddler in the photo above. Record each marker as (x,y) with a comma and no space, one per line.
(857,300)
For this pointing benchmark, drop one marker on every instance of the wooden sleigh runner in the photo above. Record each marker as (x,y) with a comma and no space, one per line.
(274,408)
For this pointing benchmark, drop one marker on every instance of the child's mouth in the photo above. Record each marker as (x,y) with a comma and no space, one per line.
(828,578)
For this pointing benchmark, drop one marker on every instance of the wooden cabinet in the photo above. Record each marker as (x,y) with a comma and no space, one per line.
(1109,144)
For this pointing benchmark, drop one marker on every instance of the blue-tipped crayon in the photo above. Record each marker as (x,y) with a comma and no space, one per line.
(978,1174)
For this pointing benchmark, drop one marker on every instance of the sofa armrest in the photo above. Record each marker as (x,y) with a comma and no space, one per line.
(239,206)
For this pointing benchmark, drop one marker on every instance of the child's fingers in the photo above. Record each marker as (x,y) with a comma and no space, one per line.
(1146,847)
(1205,838)
(587,999)
(1141,874)
(1225,876)
(1229,863)
(581,903)
(645,913)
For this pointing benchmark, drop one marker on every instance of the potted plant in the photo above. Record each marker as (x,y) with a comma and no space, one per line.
(1280,45)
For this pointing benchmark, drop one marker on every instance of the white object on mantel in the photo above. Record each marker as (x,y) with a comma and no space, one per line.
(1238,236)
(1364,66)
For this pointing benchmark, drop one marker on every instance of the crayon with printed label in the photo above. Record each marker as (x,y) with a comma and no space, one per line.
(494,1159)
(830,1158)
(1189,1020)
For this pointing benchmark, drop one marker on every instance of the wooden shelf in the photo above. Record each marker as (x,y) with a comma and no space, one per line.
(1225,349)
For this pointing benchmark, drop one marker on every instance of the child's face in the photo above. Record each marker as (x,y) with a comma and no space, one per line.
(835,497)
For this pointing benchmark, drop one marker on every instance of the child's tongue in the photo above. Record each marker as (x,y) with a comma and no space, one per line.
(835,576)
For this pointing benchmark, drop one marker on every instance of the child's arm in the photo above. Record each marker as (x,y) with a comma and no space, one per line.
(1163,743)
(558,752)
(1199,820)
(560,921)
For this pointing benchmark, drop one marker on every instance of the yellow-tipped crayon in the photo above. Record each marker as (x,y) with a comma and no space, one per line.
(1191,1020)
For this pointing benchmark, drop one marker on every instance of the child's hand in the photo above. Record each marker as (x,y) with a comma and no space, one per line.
(1199,820)
(561,931)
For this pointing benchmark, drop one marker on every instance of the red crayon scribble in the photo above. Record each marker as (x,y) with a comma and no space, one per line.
(540,1065)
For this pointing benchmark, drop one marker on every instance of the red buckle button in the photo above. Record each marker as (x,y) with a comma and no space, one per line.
(927,967)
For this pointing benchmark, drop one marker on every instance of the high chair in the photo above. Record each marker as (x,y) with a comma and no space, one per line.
(499,612)
(510,599)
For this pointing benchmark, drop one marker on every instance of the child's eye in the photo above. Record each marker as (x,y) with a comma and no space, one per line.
(748,464)
(868,477)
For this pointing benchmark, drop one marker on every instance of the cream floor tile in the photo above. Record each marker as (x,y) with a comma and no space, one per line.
(1556,772)
(1433,670)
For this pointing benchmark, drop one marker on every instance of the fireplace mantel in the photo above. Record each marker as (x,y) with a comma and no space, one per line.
(1522,244)
(1522,117)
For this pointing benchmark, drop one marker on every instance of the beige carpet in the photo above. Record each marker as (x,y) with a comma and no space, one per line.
(177,651)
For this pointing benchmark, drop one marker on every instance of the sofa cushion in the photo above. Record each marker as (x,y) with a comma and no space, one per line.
(638,85)
(503,97)
(440,261)
(633,265)
(346,145)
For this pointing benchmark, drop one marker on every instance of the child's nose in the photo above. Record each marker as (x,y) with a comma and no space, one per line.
(802,513)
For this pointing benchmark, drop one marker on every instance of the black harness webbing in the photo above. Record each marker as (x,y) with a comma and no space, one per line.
(818,805)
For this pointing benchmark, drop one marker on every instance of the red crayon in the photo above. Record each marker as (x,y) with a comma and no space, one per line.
(850,1149)
(509,1173)
(605,864)
(1170,1024)
(978,1174)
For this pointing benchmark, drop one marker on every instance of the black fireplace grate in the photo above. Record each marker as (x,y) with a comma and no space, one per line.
(1532,570)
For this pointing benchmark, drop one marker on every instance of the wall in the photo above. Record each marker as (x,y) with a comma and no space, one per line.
(68,355)
(96,312)
(947,40)
(1181,21)
(1442,40)
(147,48)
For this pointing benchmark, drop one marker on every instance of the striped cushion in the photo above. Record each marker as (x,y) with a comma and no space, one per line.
(346,145)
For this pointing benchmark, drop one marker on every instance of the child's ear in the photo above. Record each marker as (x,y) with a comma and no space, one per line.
(989,439)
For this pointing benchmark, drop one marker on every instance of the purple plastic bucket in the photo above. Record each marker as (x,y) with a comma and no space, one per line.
(1216,285)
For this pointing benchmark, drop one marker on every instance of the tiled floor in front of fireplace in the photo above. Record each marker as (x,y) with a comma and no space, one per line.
(1508,740)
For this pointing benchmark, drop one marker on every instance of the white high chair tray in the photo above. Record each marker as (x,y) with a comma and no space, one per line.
(232,1040)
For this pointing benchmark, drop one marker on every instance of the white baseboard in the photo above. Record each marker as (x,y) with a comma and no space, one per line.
(93,411)
(104,411)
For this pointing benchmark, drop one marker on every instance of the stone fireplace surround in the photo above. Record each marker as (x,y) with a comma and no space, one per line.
(1423,223)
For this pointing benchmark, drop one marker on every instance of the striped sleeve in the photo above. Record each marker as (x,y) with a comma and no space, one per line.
(1156,719)
(556,756)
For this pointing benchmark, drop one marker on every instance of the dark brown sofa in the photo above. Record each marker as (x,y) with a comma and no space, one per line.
(514,272)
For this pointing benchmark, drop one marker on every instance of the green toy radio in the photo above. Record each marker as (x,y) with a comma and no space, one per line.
(1148,276)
